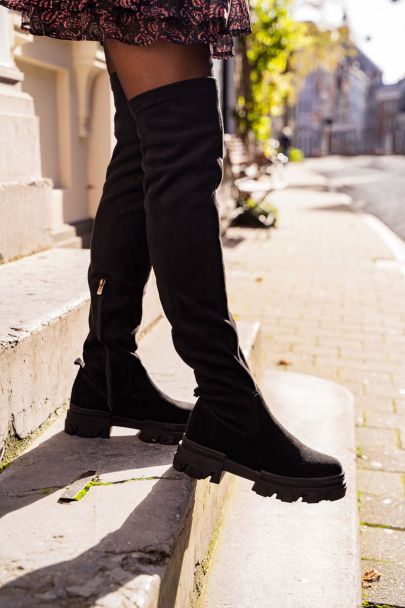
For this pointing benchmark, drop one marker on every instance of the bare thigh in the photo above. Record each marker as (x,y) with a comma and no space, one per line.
(140,68)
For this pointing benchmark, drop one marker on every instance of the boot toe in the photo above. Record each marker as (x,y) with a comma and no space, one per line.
(319,464)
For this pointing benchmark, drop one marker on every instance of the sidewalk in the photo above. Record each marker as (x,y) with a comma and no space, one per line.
(330,308)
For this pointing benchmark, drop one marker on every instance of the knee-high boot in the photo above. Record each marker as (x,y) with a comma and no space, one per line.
(112,387)
(231,427)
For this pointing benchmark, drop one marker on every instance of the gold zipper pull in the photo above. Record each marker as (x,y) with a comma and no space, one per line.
(101,286)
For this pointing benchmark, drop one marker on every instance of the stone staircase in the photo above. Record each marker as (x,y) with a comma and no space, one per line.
(140,534)
(154,525)
(44,302)
(43,321)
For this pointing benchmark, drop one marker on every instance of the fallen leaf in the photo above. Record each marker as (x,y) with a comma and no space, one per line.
(371,576)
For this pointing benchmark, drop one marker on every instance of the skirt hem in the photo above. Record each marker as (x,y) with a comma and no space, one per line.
(130,26)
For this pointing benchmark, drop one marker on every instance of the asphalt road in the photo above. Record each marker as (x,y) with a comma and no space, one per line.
(377,183)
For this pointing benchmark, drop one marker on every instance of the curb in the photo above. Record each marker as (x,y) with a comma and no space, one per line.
(293,555)
(394,243)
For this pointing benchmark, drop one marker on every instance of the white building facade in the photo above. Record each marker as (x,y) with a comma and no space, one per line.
(69,85)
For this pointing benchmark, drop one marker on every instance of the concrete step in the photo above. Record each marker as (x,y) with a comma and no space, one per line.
(25,225)
(136,537)
(271,554)
(44,309)
(66,237)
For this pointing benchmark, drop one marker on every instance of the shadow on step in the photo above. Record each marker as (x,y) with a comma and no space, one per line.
(143,545)
(58,461)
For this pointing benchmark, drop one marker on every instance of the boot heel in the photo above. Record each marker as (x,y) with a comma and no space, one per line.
(159,437)
(87,423)
(198,463)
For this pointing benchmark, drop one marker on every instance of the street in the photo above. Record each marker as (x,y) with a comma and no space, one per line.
(376,183)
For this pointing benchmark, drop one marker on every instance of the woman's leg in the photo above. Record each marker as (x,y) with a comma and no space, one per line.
(142,68)
(109,61)
(113,383)
(175,104)
(181,137)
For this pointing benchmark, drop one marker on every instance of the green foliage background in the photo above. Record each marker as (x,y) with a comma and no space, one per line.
(274,60)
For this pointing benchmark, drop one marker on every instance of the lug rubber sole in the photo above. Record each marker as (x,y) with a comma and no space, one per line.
(200,462)
(94,423)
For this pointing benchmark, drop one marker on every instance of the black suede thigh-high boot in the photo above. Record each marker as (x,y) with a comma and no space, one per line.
(181,134)
(231,427)
(113,387)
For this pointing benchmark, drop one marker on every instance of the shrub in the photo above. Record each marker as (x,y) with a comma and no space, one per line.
(296,155)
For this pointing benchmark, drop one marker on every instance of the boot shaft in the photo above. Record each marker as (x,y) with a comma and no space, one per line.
(181,133)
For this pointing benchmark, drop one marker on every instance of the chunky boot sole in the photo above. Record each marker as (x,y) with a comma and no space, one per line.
(200,462)
(95,423)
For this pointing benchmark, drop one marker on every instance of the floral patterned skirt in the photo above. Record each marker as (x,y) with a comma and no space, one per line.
(139,22)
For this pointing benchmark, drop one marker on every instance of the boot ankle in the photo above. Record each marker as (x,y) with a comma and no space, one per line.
(86,393)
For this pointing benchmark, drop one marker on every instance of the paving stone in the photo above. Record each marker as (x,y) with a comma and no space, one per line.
(367,436)
(381,483)
(382,511)
(381,457)
(380,405)
(400,405)
(387,421)
(390,589)
(383,544)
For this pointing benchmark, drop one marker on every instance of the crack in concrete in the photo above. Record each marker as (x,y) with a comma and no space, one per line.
(153,556)
(111,483)
(96,482)
(50,489)
(22,494)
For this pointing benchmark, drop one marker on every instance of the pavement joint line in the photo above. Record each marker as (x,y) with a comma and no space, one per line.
(374,605)
(379,560)
(398,438)
(381,470)
(382,526)
(396,431)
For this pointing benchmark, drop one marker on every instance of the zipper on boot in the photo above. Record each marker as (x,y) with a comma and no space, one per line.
(100,302)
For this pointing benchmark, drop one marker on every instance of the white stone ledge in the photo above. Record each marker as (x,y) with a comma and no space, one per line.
(44,309)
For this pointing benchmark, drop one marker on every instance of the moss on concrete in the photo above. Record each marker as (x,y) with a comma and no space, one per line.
(382,526)
(96,482)
(372,605)
(14,446)
(398,439)
(201,568)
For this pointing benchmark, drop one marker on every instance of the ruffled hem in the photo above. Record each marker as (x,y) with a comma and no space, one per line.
(138,22)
